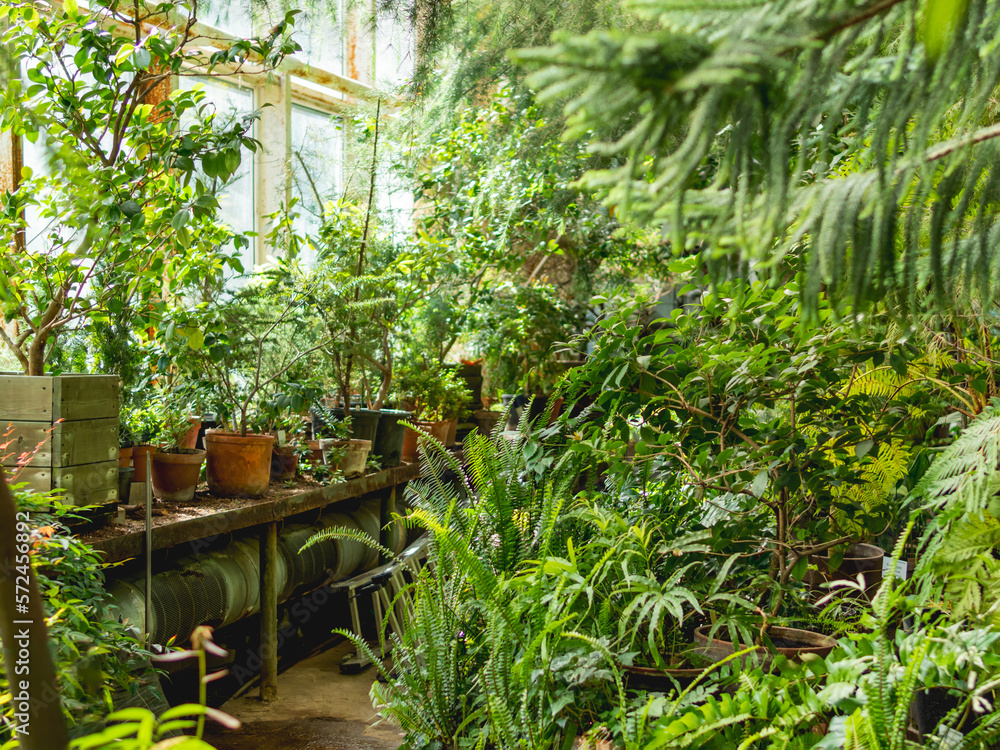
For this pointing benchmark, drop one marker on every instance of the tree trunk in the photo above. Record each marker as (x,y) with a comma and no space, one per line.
(27,660)
(36,357)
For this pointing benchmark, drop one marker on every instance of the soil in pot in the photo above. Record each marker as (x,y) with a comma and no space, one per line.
(789,642)
(175,475)
(238,466)
(388,445)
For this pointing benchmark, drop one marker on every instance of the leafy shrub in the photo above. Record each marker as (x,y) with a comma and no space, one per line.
(99,661)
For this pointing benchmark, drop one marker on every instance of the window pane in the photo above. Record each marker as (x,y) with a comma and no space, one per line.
(321,33)
(317,160)
(224,15)
(394,45)
(236,200)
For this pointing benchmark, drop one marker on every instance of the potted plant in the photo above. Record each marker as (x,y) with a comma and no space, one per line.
(451,399)
(761,419)
(341,451)
(283,416)
(248,345)
(422,388)
(176,468)
(144,424)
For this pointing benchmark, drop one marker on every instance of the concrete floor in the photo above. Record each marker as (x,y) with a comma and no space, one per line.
(318,708)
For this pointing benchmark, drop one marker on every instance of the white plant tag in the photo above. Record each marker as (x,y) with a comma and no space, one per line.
(949,739)
(900,569)
(281,437)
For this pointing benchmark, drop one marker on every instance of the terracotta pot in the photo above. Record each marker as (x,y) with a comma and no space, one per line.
(315,452)
(352,463)
(190,439)
(284,463)
(449,439)
(487,420)
(125,457)
(437,430)
(139,454)
(175,475)
(789,642)
(238,466)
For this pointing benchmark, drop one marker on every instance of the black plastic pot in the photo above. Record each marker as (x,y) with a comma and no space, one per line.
(208,422)
(929,708)
(364,423)
(124,483)
(388,443)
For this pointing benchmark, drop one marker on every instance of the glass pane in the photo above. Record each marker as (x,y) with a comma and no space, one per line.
(233,18)
(236,200)
(317,161)
(319,29)
(394,45)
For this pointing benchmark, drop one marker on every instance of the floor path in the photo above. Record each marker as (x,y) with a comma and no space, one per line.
(318,708)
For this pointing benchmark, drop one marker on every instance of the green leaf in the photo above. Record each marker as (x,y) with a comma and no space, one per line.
(941,18)
(181,218)
(196,340)
(862,449)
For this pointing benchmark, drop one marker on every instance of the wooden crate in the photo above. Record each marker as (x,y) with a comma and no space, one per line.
(89,484)
(47,398)
(87,441)
(75,418)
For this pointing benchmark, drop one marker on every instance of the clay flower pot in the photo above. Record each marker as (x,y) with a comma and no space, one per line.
(789,642)
(449,440)
(175,475)
(238,466)
(352,463)
(125,457)
(139,454)
(284,463)
(858,558)
(487,420)
(190,439)
(437,430)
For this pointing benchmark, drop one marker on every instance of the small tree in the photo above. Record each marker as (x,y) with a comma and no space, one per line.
(130,196)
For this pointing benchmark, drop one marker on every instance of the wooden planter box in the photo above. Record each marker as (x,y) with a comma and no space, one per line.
(80,453)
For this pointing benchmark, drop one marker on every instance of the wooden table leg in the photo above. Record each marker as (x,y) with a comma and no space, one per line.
(269,612)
